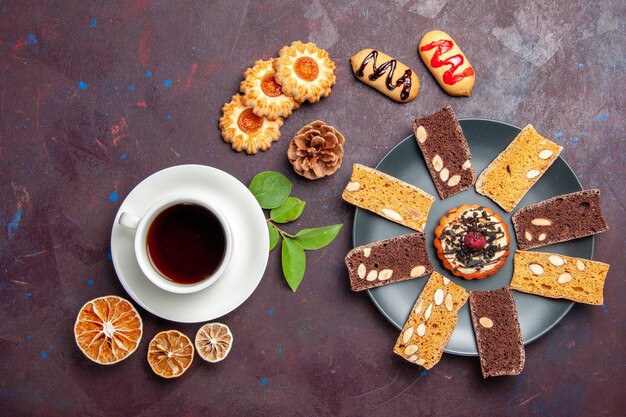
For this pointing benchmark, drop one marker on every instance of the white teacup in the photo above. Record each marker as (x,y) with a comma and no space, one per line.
(142,226)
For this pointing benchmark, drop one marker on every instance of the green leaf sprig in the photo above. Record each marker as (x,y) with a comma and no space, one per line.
(271,190)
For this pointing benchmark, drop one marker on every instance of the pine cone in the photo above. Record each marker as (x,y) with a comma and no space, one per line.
(316,151)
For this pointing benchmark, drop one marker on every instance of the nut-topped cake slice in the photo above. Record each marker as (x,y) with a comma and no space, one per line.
(431,322)
(559,276)
(559,219)
(498,334)
(387,261)
(509,177)
(388,197)
(445,150)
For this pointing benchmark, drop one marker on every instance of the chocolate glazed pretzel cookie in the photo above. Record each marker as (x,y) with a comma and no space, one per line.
(385,74)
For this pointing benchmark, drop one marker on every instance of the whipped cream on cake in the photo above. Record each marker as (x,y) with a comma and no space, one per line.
(472,241)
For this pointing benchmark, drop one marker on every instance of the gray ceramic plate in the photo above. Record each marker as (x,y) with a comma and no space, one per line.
(486,138)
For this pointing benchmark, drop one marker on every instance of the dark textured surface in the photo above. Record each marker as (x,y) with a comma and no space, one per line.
(75,139)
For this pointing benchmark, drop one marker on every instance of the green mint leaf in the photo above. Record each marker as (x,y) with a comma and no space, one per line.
(289,211)
(294,262)
(312,239)
(274,236)
(270,189)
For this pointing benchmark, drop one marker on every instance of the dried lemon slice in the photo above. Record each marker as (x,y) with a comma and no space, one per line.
(262,92)
(213,341)
(108,329)
(246,131)
(170,354)
(305,71)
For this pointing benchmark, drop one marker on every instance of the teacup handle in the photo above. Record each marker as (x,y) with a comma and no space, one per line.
(129,220)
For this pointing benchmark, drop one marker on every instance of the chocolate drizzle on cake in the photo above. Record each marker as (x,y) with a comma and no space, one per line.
(474,220)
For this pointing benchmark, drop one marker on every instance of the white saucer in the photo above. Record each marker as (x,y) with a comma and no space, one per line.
(250,238)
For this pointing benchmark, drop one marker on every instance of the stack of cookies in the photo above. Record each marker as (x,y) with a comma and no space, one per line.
(270,92)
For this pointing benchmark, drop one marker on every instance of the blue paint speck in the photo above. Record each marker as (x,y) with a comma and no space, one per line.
(15,223)
(167,83)
(264,381)
(148,74)
(31,39)
(280,350)
(28,337)
(123,156)
(94,23)
(109,256)
(581,65)
(113,197)
(30,294)
(602,117)
(325,206)
(50,347)
(131,87)
(575,138)
(424,373)
(90,282)
(559,134)
(270,311)
(44,355)
(82,85)
(168,117)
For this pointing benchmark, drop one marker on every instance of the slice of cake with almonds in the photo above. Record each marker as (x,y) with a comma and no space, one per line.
(387,261)
(509,177)
(498,334)
(388,197)
(446,152)
(561,218)
(559,276)
(431,322)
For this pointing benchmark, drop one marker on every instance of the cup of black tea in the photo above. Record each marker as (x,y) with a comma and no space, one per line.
(182,244)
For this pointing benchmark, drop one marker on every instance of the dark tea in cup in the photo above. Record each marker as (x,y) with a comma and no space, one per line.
(186,243)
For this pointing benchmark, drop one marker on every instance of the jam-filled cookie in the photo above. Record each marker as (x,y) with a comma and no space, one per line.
(472,241)
(262,92)
(305,71)
(246,131)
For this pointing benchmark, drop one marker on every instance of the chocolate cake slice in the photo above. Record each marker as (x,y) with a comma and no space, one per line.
(387,261)
(445,151)
(498,335)
(561,218)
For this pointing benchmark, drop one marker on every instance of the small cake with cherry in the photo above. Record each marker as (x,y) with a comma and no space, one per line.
(472,241)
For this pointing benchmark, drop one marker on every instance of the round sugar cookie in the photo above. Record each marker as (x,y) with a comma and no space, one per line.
(305,71)
(246,131)
(262,92)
